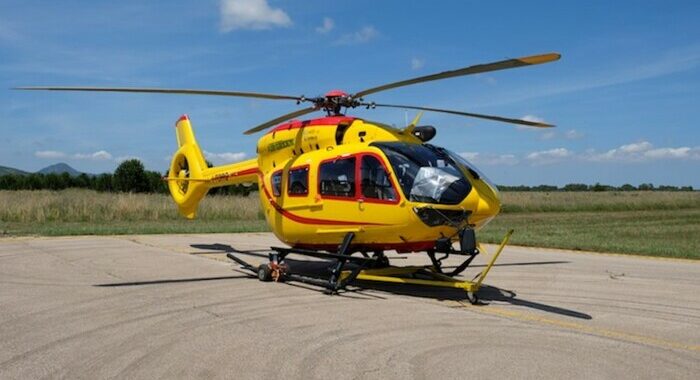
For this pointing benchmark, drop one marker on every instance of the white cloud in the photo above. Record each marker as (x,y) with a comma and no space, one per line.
(642,151)
(662,153)
(635,147)
(573,134)
(327,26)
(251,14)
(361,36)
(51,154)
(470,156)
(633,153)
(549,156)
(417,63)
(100,155)
(638,152)
(627,152)
(490,159)
(225,157)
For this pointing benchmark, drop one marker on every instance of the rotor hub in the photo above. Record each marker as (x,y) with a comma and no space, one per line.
(336,94)
(333,102)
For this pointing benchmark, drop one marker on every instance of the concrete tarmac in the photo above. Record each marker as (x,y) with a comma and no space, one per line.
(172,306)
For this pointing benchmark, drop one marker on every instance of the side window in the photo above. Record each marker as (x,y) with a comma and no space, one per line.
(298,181)
(337,178)
(376,183)
(276,180)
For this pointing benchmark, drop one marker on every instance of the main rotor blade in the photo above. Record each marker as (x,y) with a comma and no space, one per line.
(476,69)
(280,119)
(166,91)
(477,115)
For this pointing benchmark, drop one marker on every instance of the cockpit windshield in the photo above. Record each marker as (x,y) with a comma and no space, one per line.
(426,173)
(476,173)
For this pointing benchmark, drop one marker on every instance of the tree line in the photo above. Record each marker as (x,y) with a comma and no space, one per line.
(129,176)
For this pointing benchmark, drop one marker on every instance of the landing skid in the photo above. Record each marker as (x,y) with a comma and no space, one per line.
(339,278)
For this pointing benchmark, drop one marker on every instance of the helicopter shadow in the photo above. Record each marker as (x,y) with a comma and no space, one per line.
(359,289)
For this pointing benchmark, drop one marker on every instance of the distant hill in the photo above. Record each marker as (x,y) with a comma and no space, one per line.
(4,170)
(60,168)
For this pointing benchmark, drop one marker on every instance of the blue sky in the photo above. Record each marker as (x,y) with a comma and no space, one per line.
(625,95)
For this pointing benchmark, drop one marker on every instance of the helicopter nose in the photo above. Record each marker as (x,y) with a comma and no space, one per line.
(489,203)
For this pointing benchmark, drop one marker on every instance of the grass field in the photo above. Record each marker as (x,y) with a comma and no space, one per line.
(646,223)
(87,212)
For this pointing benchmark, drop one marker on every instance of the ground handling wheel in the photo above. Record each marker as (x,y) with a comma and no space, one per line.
(472,298)
(264,273)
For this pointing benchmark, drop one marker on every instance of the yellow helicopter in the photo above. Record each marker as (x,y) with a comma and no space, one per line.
(337,185)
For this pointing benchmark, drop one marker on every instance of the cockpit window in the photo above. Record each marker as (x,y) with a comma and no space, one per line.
(426,173)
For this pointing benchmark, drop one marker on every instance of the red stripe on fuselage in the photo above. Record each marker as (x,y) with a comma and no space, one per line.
(246,172)
(226,176)
(329,121)
(417,246)
(305,220)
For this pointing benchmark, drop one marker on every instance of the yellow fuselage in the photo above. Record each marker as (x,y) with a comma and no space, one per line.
(305,211)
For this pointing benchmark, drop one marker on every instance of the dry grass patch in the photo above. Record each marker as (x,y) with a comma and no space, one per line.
(648,223)
(78,205)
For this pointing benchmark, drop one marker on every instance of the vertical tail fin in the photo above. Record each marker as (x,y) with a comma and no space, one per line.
(190,178)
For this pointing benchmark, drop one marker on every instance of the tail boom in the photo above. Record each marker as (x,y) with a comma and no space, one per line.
(190,178)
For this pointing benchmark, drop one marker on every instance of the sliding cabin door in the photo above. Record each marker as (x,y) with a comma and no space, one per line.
(359,195)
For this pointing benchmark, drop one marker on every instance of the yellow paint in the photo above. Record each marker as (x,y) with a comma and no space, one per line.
(313,219)
(393,274)
(409,128)
(486,270)
(465,285)
(537,59)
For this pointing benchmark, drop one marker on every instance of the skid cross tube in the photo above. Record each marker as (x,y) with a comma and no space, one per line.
(463,266)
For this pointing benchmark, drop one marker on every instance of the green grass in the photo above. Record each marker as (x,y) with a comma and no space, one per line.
(646,223)
(668,233)
(86,212)
(534,202)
